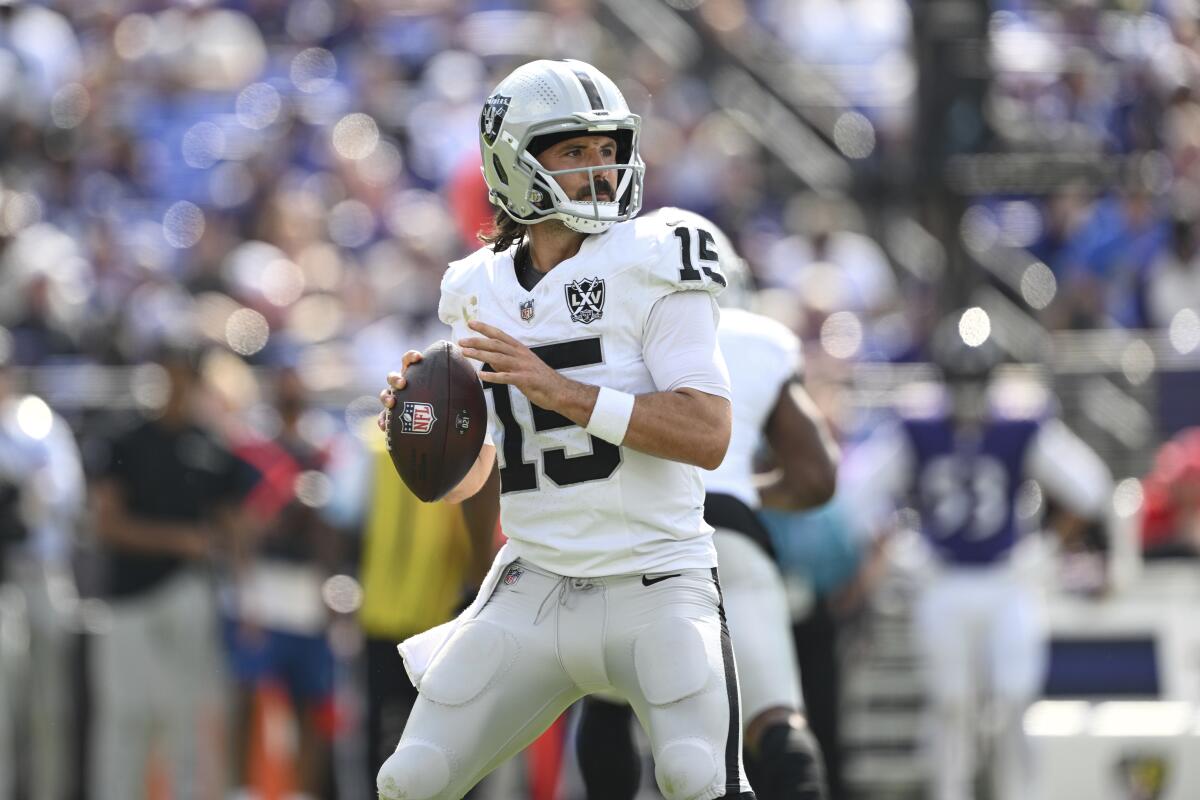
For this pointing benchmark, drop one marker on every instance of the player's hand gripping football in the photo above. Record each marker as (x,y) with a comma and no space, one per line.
(514,364)
(396,382)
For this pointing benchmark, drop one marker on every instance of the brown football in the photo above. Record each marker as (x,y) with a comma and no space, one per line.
(436,428)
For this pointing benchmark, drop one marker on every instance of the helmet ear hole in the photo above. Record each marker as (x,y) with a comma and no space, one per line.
(541,191)
(500,173)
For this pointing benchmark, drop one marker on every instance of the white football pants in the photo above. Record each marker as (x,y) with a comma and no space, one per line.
(542,642)
(982,637)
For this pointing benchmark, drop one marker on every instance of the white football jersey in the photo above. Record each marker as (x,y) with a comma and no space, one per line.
(570,502)
(763,356)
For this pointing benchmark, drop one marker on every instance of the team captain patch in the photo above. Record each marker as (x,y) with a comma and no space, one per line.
(585,300)
(417,418)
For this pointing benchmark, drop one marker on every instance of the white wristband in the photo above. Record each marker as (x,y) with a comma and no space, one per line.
(611,415)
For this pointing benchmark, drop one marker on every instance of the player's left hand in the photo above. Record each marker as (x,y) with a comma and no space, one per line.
(514,364)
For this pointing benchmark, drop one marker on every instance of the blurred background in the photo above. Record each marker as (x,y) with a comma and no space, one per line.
(234,216)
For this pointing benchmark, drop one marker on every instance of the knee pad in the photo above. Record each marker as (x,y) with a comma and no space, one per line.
(416,771)
(789,765)
(685,768)
(472,660)
(671,661)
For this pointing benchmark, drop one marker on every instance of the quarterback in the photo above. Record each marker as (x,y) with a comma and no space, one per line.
(596,336)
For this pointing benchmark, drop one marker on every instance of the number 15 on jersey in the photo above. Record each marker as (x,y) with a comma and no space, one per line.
(519,475)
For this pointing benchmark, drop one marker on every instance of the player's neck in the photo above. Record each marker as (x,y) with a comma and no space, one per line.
(552,243)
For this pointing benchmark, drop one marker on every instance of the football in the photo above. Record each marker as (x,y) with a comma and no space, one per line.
(436,428)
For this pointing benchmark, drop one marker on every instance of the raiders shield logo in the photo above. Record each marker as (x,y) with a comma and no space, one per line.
(1142,776)
(417,418)
(585,300)
(494,109)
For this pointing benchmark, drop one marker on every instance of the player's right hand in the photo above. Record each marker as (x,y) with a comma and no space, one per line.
(396,382)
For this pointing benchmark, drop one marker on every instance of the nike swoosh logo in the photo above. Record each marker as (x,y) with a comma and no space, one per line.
(651,581)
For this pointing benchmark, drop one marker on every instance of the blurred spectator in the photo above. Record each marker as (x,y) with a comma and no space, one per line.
(828,266)
(861,46)
(1067,208)
(165,505)
(41,500)
(44,279)
(278,632)
(1171,511)
(1108,261)
(1175,275)
(417,562)
(39,55)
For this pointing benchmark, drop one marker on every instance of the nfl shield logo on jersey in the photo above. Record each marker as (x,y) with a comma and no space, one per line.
(417,418)
(585,300)
(527,310)
(513,575)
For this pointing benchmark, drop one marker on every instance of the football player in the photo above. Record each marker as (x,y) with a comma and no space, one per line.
(596,332)
(964,458)
(782,759)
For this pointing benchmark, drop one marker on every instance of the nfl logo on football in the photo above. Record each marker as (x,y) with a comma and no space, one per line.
(417,418)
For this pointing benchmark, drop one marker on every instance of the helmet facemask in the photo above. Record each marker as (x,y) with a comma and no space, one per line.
(591,215)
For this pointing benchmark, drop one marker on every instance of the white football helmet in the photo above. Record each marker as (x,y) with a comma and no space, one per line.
(554,97)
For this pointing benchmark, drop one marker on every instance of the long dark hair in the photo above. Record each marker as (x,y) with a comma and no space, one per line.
(503,233)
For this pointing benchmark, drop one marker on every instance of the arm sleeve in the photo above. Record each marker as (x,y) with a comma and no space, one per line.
(680,345)
(1068,470)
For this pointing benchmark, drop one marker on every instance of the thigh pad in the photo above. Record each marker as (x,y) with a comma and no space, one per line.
(671,661)
(477,656)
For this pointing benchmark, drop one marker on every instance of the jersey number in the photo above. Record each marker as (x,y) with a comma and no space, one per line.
(967,497)
(518,475)
(708,256)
